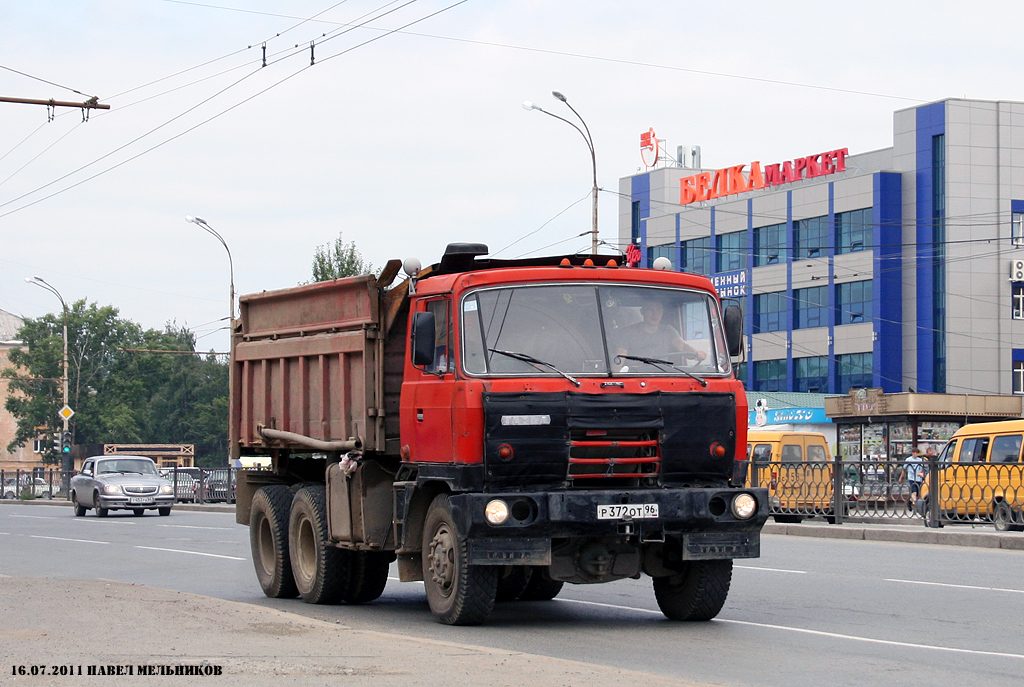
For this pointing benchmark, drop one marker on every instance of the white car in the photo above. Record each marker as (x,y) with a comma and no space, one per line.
(40,488)
(121,482)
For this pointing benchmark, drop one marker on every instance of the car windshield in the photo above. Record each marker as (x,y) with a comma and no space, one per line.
(594,329)
(141,466)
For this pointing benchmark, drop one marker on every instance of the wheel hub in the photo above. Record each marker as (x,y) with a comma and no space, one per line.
(442,559)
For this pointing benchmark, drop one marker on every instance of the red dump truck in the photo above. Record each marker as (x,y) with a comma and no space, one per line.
(500,427)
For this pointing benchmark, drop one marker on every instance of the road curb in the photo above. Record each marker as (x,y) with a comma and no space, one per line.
(951,535)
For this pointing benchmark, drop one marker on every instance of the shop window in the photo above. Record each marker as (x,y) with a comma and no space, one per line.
(810,237)
(810,374)
(697,256)
(769,245)
(811,307)
(732,251)
(770,375)
(853,370)
(853,302)
(665,251)
(1018,301)
(770,312)
(853,230)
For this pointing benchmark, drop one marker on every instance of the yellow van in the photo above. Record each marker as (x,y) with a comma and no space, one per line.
(796,469)
(980,475)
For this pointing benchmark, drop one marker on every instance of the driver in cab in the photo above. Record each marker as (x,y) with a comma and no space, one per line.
(651,338)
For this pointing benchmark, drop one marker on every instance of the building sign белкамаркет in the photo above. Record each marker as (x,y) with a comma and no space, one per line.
(731,180)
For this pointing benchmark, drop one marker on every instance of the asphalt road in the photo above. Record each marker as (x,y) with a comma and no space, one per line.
(808,612)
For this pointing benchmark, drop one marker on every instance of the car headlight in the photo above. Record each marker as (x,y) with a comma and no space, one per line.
(744,506)
(111,489)
(496,512)
(166,489)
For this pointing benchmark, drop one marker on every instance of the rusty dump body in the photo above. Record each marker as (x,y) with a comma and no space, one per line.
(309,361)
(494,414)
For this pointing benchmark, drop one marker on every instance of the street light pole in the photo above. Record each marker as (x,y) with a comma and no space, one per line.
(65,458)
(586,137)
(199,221)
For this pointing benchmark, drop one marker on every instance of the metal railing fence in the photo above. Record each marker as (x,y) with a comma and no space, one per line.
(894,490)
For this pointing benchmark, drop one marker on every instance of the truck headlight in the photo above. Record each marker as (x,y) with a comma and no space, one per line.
(744,506)
(496,512)
(111,489)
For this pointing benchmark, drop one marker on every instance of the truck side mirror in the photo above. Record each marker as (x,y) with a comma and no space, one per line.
(422,339)
(734,329)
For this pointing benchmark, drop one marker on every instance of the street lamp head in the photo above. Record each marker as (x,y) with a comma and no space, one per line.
(559,96)
(29,280)
(195,220)
(528,105)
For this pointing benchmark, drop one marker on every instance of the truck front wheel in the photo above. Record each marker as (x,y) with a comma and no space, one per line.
(321,571)
(458,593)
(268,539)
(698,593)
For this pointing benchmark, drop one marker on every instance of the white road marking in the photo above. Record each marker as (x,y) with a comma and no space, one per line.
(33,517)
(194,553)
(197,527)
(781,570)
(820,633)
(958,586)
(84,541)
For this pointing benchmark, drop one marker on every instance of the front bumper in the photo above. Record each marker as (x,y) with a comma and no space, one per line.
(701,519)
(118,501)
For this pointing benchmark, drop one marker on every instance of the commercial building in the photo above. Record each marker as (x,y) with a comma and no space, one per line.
(900,269)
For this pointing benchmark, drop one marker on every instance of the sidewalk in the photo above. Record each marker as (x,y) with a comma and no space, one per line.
(151,636)
(979,534)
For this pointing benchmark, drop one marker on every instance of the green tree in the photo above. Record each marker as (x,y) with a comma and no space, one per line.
(338,259)
(119,383)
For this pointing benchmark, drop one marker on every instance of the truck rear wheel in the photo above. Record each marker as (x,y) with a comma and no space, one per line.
(541,587)
(458,593)
(698,593)
(268,539)
(512,582)
(369,576)
(321,571)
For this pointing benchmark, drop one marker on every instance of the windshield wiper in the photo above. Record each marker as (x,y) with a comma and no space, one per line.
(516,355)
(655,361)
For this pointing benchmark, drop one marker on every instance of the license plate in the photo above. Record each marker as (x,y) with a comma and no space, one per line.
(627,511)
(141,501)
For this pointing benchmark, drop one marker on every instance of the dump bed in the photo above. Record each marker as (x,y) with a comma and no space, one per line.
(309,360)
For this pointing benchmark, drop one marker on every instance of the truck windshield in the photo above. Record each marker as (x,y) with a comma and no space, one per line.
(592,329)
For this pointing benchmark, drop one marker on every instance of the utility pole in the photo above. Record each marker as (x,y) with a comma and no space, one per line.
(92,103)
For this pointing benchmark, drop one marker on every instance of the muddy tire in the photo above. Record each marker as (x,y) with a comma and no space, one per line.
(368,577)
(458,593)
(321,571)
(541,587)
(697,594)
(268,539)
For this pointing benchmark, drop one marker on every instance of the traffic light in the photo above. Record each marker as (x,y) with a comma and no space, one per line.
(56,441)
(65,443)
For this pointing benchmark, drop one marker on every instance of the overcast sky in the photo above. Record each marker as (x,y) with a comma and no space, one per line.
(418,138)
